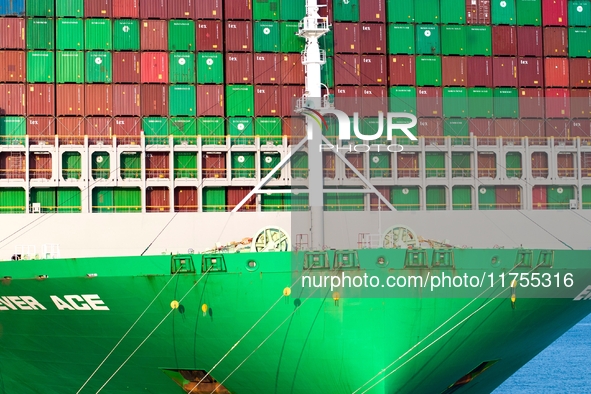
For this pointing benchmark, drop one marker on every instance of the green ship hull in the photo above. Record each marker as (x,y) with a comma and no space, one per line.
(115,324)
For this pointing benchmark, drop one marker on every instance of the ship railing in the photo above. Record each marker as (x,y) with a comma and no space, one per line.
(12,209)
(13,173)
(514,172)
(116,208)
(329,172)
(344,207)
(540,172)
(40,173)
(184,140)
(487,141)
(71,173)
(42,140)
(300,173)
(128,140)
(563,141)
(462,207)
(380,172)
(157,208)
(484,172)
(100,140)
(185,173)
(461,172)
(186,208)
(12,140)
(227,208)
(157,173)
(566,172)
(436,207)
(320,59)
(537,141)
(242,140)
(243,172)
(435,172)
(313,25)
(214,173)
(100,173)
(77,140)
(409,172)
(507,206)
(266,171)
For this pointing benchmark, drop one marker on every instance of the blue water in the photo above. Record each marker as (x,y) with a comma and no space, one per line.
(563,367)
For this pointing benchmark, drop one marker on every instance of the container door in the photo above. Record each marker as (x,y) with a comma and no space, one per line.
(436,198)
(462,198)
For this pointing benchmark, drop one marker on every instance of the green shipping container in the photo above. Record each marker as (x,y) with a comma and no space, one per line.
(478,41)
(70,34)
(345,10)
(127,199)
(155,130)
(210,68)
(270,160)
(299,165)
(185,165)
(99,67)
(579,42)
(326,42)
(12,200)
(344,201)
(211,130)
(268,130)
(40,33)
(435,165)
(69,200)
(101,165)
(586,197)
(579,13)
(455,102)
(405,198)
(239,100)
(428,40)
(292,10)
(102,200)
(272,202)
(529,12)
(427,11)
(371,126)
(40,67)
(131,165)
(402,99)
(453,12)
(266,37)
(126,35)
(241,130)
(559,196)
(436,200)
(513,167)
(401,39)
(182,67)
(457,130)
(453,40)
(40,8)
(73,8)
(243,165)
(181,35)
(70,67)
(328,73)
(182,99)
(380,165)
(461,197)
(487,198)
(47,197)
(428,71)
(266,10)
(400,11)
(71,165)
(461,165)
(506,103)
(480,102)
(183,130)
(12,130)
(503,12)
(214,199)
(98,34)
(290,43)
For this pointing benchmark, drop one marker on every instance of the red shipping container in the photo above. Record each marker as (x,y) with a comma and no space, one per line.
(210,36)
(238,10)
(408,165)
(480,71)
(374,100)
(534,130)
(483,130)
(348,99)
(208,9)
(126,67)
(530,72)
(12,66)
(41,130)
(239,68)
(559,129)
(154,35)
(154,9)
(581,128)
(478,12)
(557,103)
(356,160)
(372,38)
(154,100)
(267,100)
(13,33)
(454,70)
(70,130)
(556,70)
(214,165)
(346,37)
(508,130)
(504,40)
(376,204)
(373,11)
(267,68)
(294,128)
(373,70)
(292,70)
(99,130)
(40,99)
(402,71)
(158,199)
(127,130)
(429,102)
(531,103)
(487,165)
(238,36)
(235,195)
(70,99)
(154,67)
(326,12)
(555,41)
(210,100)
(126,9)
(529,41)
(185,199)
(554,12)
(508,197)
(126,100)
(98,9)
(40,165)
(182,9)
(580,73)
(347,69)
(505,72)
(12,99)
(431,129)
(99,99)
(580,103)
(289,95)
(539,197)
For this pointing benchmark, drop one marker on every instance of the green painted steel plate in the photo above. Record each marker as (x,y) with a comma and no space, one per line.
(98,34)
(70,67)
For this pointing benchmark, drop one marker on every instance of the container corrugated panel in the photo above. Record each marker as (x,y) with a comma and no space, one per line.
(508,197)
(530,72)
(453,40)
(12,66)
(100,131)
(427,11)
(402,99)
(487,168)
(238,36)
(505,72)
(408,165)
(98,9)
(12,8)
(158,165)
(208,9)
(126,9)
(435,198)
(503,12)
(40,99)
(127,199)
(210,67)
(346,37)
(98,34)
(558,128)
(69,200)
(214,166)
(402,70)
(290,42)
(480,71)
(453,12)
(579,13)
(183,100)
(375,99)
(127,130)
(289,94)
(239,68)
(154,9)
(210,35)
(40,7)
(557,103)
(529,41)
(373,11)
(154,67)
(347,69)
(455,102)
(40,164)
(126,67)
(372,38)
(266,36)
(238,10)
(555,41)
(580,103)
(454,71)
(157,199)
(345,10)
(40,33)
(504,41)
(428,40)
(401,39)
(181,35)
(239,100)
(478,12)
(462,198)
(506,103)
(182,9)
(480,102)
(126,35)
(373,70)
(242,133)
(98,67)
(212,132)
(12,131)
(479,41)
(508,129)
(400,12)
(154,35)
(73,8)
(99,99)
(581,128)
(579,42)
(13,33)
(554,12)
(556,72)
(156,130)
(182,67)
(126,100)
(294,10)
(40,66)
(529,12)
(70,34)
(267,68)
(429,102)
(70,99)
(41,130)
(210,100)
(292,70)
(431,129)
(235,195)
(269,130)
(71,130)
(185,199)
(531,103)
(12,200)
(265,10)
(267,101)
(532,128)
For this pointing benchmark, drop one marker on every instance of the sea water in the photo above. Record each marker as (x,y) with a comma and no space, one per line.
(563,367)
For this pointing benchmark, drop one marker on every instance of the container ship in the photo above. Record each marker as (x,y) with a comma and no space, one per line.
(173,135)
